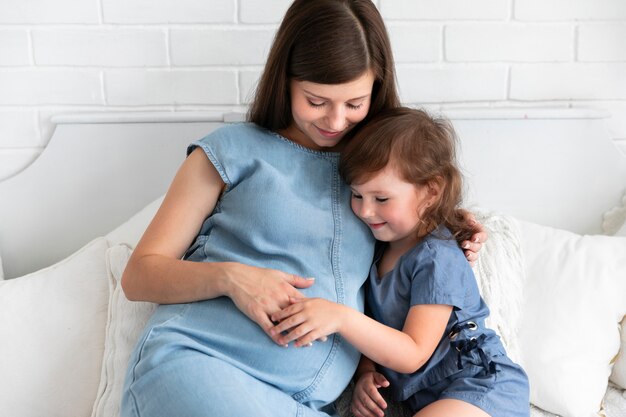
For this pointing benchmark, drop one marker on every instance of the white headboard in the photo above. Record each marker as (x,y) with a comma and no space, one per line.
(556,167)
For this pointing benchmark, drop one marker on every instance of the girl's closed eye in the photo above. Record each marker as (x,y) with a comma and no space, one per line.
(356,196)
(382,199)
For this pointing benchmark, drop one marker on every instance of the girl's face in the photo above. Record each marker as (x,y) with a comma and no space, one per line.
(324,113)
(391,207)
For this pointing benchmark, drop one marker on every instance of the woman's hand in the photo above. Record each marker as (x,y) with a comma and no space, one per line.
(472,246)
(366,399)
(261,292)
(306,320)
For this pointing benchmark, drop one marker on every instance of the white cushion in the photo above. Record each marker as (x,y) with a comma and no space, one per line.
(574,302)
(126,320)
(500,275)
(52,336)
(618,376)
(1,270)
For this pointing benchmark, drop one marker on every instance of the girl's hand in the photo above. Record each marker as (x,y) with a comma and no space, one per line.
(366,400)
(261,292)
(306,320)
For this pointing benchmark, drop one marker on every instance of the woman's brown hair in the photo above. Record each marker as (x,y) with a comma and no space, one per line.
(325,42)
(422,150)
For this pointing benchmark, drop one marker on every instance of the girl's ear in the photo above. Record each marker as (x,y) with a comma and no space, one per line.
(435,188)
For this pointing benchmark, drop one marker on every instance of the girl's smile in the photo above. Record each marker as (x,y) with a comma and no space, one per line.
(391,207)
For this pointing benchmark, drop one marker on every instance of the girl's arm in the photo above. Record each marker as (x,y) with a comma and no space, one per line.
(403,351)
(156,273)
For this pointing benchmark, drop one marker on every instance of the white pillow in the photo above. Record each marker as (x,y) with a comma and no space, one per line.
(621,231)
(1,270)
(618,376)
(52,336)
(574,301)
(126,320)
(500,275)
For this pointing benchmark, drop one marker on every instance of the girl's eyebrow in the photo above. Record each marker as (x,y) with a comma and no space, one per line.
(326,98)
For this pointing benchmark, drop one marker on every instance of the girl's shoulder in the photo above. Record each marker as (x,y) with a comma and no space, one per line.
(437,256)
(440,243)
(439,271)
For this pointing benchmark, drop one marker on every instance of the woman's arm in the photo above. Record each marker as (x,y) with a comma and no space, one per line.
(474,244)
(403,351)
(156,273)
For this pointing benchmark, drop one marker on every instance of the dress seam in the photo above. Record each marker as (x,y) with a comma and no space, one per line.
(339,289)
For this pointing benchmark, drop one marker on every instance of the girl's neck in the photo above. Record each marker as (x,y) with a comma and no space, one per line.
(394,250)
(392,253)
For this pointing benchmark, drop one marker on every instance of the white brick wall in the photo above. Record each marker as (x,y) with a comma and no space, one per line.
(602,42)
(100,48)
(571,10)
(140,88)
(45,11)
(119,55)
(134,12)
(222,46)
(509,42)
(14,47)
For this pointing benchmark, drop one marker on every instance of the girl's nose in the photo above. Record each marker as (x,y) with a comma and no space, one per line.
(366,210)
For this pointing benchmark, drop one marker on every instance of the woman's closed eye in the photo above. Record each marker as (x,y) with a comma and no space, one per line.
(354,106)
(316,104)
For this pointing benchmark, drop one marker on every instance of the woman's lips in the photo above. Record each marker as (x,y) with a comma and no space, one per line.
(329,134)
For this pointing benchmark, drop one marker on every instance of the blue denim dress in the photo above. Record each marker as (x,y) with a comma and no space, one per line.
(284,207)
(469,363)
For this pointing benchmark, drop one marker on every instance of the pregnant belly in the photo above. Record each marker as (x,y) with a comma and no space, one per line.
(217,328)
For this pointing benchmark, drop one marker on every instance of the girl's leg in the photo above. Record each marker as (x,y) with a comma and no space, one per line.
(451,408)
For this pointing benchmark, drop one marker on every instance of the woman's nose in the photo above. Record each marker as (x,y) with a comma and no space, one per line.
(337,119)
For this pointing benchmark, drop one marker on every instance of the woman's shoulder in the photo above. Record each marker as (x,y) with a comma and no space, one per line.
(239,137)
(239,131)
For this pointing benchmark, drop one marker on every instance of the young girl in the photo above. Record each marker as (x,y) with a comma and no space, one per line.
(427,329)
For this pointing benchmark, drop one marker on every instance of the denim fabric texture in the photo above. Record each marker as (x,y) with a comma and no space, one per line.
(470,362)
(284,207)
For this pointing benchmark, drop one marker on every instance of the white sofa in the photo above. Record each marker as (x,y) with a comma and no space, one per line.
(71,328)
(558,300)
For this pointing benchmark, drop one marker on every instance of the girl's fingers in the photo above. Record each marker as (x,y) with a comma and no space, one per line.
(285,312)
(299,332)
(372,408)
(381,380)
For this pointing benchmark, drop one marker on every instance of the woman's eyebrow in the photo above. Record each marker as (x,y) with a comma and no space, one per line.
(326,98)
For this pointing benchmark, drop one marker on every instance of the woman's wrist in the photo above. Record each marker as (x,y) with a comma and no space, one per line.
(225,278)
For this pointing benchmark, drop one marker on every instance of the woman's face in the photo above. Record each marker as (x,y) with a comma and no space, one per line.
(324,113)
